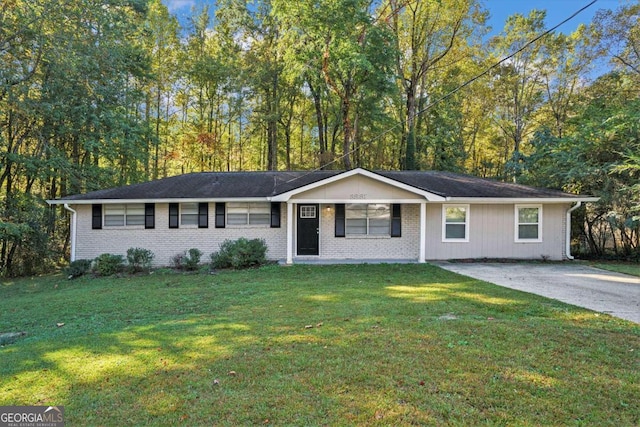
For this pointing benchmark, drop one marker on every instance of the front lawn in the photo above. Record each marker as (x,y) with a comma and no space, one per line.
(313,345)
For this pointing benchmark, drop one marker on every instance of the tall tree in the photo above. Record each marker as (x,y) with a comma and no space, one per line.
(430,35)
(518,85)
(163,47)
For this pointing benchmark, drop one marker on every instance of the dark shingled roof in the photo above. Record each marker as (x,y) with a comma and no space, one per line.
(221,185)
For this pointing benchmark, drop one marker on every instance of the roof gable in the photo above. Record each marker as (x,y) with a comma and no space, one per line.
(333,191)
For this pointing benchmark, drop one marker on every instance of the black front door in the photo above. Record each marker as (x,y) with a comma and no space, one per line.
(308,230)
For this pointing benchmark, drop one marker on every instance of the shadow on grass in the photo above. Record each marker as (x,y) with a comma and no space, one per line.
(314,345)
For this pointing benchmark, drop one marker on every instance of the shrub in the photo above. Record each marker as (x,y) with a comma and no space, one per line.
(241,253)
(108,264)
(188,260)
(78,268)
(139,259)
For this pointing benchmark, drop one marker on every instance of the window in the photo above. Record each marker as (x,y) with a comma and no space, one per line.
(248,213)
(307,212)
(455,225)
(118,215)
(188,214)
(528,223)
(368,219)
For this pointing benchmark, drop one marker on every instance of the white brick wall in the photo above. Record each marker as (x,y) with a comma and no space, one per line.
(366,247)
(165,242)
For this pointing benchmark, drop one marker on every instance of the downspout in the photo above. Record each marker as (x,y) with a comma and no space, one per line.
(568,231)
(74,220)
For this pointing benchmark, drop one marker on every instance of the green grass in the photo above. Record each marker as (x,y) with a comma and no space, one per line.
(631,268)
(314,345)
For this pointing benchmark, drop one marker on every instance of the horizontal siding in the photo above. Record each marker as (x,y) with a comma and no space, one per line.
(491,234)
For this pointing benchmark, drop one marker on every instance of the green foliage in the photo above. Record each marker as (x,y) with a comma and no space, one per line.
(78,268)
(240,253)
(108,264)
(24,237)
(388,345)
(139,259)
(188,260)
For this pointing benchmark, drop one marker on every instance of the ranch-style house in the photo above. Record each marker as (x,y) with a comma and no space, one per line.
(327,216)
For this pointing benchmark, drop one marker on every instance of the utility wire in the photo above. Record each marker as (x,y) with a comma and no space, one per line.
(457,89)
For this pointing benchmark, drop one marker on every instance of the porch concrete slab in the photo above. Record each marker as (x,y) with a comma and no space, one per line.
(581,285)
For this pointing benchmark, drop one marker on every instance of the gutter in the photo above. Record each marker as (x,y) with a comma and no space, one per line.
(74,221)
(568,231)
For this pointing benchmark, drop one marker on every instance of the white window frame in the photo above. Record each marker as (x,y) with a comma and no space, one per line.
(517,224)
(368,220)
(246,208)
(127,214)
(308,212)
(466,223)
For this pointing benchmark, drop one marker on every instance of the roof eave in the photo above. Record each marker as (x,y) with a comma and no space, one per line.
(502,200)
(158,200)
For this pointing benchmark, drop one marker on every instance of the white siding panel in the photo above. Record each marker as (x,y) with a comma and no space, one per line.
(491,234)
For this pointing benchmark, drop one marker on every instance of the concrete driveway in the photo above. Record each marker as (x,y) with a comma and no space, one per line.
(599,290)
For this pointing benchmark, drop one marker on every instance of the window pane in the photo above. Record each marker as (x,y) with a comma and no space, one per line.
(135,219)
(356,226)
(260,208)
(114,215)
(356,210)
(117,209)
(458,214)
(135,214)
(528,231)
(137,209)
(528,215)
(455,231)
(259,213)
(307,212)
(189,219)
(379,211)
(259,218)
(113,220)
(237,213)
(236,218)
(379,227)
(237,205)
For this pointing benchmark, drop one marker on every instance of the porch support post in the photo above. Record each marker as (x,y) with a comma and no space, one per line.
(291,207)
(423,232)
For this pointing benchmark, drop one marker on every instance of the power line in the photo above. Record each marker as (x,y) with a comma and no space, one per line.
(457,89)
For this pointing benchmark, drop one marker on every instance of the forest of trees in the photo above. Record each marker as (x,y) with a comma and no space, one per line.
(100,93)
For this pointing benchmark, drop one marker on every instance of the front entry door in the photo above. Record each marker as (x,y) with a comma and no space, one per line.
(308,236)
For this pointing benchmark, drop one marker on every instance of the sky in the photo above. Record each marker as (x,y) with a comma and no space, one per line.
(557,10)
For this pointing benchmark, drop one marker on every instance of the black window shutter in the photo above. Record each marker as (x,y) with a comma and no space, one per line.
(275,215)
(96,217)
(174,210)
(203,215)
(220,207)
(396,221)
(149,215)
(340,220)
